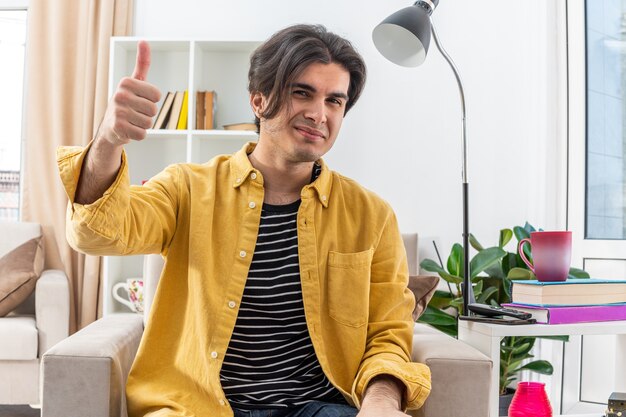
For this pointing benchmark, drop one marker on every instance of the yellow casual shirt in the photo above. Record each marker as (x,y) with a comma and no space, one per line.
(201,219)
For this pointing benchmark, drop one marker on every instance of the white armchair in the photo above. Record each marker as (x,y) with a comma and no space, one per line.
(86,373)
(33,327)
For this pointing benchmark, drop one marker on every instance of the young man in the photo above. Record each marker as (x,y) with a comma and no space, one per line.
(284,287)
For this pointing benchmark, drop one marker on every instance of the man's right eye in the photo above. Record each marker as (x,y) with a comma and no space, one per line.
(302,93)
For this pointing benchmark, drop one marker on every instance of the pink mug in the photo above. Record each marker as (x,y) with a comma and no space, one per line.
(552,254)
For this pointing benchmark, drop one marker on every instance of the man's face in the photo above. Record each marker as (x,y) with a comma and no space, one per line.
(306,127)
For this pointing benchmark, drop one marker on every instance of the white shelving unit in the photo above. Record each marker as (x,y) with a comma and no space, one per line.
(178,65)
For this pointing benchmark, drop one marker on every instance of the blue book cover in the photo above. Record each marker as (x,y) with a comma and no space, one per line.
(576,291)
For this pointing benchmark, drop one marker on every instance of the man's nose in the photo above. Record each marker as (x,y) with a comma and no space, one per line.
(316,112)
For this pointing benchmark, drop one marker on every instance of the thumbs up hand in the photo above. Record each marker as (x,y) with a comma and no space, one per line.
(133,105)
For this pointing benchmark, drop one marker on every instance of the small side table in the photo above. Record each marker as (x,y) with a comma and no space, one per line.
(486,338)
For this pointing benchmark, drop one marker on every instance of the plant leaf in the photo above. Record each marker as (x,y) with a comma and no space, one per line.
(440,300)
(474,243)
(522,348)
(486,294)
(455,260)
(485,259)
(520,233)
(435,316)
(557,338)
(577,273)
(509,261)
(457,303)
(495,271)
(431,266)
(505,237)
(539,366)
(529,228)
(520,273)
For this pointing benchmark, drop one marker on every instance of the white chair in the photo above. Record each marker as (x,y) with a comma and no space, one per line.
(33,327)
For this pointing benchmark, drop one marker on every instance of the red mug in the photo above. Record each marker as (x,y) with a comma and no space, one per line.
(552,254)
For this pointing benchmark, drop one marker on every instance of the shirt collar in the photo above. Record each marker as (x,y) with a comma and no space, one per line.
(241,168)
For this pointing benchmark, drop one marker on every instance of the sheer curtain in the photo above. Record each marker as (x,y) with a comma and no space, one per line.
(67,65)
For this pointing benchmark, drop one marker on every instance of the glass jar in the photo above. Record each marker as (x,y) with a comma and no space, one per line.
(530,400)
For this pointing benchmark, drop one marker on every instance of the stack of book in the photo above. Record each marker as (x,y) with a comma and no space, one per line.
(579,300)
(173,112)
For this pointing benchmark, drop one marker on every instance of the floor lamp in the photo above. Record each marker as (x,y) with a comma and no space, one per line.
(403,38)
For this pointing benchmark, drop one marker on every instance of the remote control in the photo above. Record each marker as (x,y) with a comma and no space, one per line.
(491,311)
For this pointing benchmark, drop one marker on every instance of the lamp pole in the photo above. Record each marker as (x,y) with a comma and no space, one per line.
(468,293)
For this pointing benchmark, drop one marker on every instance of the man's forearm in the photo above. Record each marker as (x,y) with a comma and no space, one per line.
(384,390)
(100,168)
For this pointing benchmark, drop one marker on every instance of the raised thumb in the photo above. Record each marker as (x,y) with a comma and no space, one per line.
(143,61)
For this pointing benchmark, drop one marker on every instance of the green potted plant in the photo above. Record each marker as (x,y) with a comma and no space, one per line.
(491,272)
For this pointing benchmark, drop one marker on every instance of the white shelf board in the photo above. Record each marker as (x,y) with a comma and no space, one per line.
(225,133)
(598,328)
(166,133)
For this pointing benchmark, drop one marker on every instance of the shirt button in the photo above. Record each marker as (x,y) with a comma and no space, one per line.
(253,175)
(323,198)
(238,180)
(252,204)
(242,253)
(222,402)
(214,355)
(232,304)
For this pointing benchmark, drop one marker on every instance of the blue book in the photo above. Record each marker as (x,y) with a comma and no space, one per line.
(578,291)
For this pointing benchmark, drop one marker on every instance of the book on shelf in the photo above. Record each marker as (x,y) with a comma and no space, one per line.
(175,112)
(575,291)
(200,110)
(241,126)
(210,107)
(572,314)
(182,119)
(164,112)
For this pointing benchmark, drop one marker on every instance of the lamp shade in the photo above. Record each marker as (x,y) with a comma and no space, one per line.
(404,36)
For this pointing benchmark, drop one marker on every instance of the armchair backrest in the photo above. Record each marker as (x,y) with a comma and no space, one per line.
(15,233)
(153,266)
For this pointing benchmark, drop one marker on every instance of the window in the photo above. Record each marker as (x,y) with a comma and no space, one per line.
(12,49)
(606,114)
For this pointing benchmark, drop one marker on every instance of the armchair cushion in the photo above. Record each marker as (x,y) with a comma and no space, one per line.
(423,288)
(19,271)
(19,338)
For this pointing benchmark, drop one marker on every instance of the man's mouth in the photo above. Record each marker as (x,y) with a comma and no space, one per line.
(310,132)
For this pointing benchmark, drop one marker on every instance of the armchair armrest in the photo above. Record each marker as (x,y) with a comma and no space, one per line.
(461,374)
(85,374)
(52,308)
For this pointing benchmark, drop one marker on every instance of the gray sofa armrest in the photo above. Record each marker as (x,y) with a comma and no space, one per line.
(52,308)
(460,375)
(85,374)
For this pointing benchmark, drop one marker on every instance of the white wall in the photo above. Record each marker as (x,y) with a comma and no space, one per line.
(403,139)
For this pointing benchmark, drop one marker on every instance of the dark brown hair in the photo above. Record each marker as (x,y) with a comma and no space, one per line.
(282,58)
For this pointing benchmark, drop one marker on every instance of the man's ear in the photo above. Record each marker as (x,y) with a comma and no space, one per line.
(258,103)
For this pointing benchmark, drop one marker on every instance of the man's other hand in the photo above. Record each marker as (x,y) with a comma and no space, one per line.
(133,105)
(383,397)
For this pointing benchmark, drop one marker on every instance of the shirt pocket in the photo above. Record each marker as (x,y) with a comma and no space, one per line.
(349,286)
